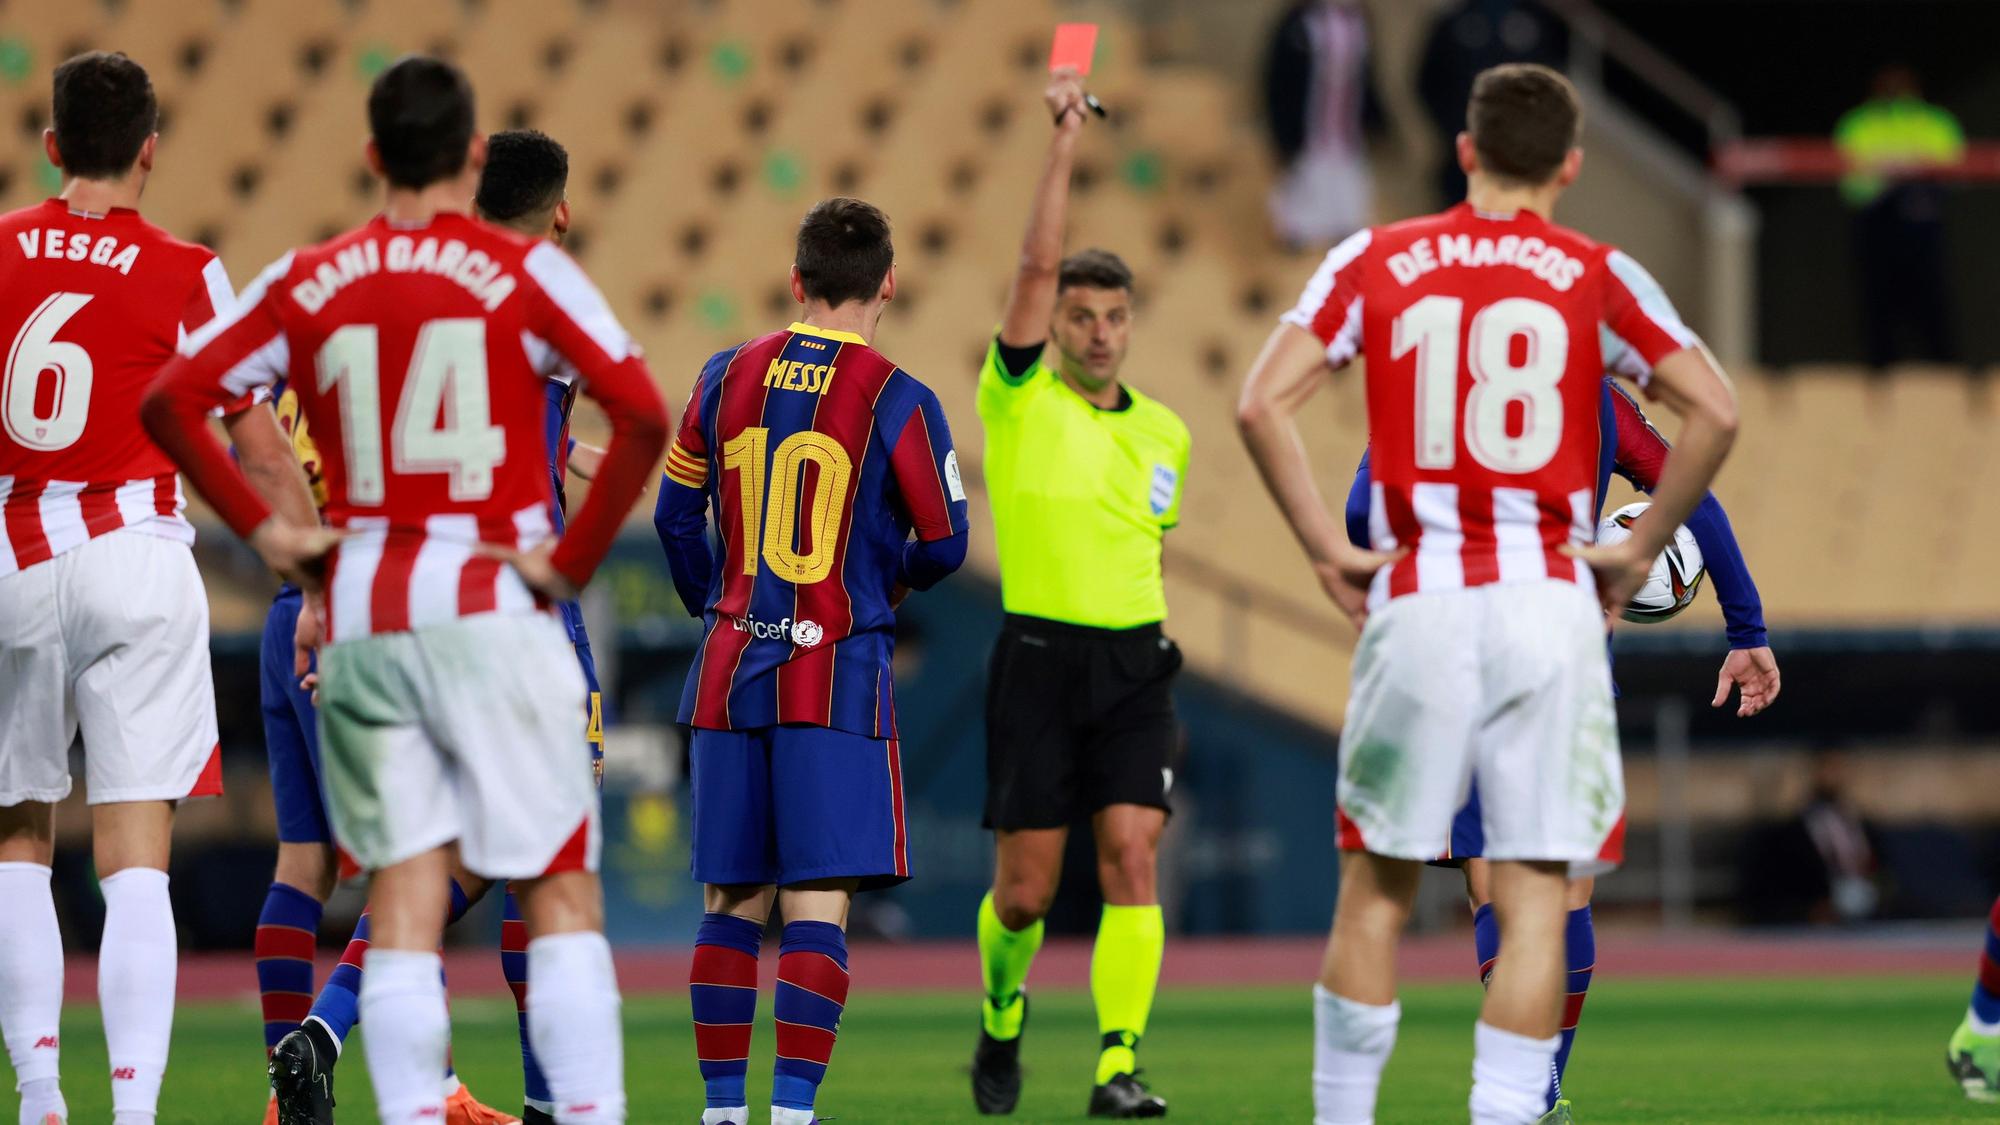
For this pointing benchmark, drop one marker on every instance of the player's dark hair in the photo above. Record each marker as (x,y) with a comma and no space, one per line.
(420,115)
(1094,269)
(525,174)
(844,251)
(1524,118)
(104,111)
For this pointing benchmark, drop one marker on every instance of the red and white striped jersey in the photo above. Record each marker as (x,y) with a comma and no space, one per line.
(92,306)
(1486,337)
(416,353)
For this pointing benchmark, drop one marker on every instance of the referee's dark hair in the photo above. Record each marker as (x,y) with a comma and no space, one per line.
(104,111)
(420,116)
(844,251)
(1524,118)
(1094,269)
(525,174)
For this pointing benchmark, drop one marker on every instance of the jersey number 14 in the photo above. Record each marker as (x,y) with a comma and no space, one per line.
(444,422)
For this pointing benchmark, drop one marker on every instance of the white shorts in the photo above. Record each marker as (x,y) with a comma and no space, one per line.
(466,731)
(1511,684)
(109,638)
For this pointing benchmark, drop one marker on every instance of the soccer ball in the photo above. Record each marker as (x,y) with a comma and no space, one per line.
(1676,575)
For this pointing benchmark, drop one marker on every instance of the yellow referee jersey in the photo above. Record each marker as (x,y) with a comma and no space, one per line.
(1081,497)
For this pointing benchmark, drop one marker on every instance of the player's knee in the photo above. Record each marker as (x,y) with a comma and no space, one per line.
(1128,869)
(307,867)
(1577,895)
(560,904)
(28,833)
(1022,901)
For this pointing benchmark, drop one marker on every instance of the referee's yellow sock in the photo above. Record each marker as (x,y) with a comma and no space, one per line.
(1124,973)
(1004,957)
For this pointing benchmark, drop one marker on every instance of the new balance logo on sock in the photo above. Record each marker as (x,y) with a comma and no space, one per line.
(587,1107)
(47,1043)
(124,1074)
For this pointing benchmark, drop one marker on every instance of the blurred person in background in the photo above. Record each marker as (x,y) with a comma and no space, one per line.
(1892,142)
(1818,865)
(1468,37)
(1320,104)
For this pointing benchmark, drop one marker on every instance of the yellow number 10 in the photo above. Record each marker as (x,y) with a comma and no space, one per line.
(780,508)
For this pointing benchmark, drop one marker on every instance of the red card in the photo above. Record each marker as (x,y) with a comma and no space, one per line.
(1076,43)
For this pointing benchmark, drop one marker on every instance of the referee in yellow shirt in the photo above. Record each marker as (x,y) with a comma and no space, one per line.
(1085,476)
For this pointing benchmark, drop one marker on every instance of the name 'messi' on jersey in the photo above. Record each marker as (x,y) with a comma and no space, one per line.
(1445,251)
(486,280)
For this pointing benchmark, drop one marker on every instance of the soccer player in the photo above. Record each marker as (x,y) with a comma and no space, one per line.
(1633,449)
(523,188)
(103,621)
(1085,475)
(1973,1052)
(835,491)
(448,693)
(1482,654)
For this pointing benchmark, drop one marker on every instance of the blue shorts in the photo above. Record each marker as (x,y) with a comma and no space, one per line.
(291,729)
(789,804)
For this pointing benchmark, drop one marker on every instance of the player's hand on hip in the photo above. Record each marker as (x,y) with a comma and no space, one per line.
(1620,571)
(1347,576)
(536,568)
(1754,672)
(297,554)
(1064,97)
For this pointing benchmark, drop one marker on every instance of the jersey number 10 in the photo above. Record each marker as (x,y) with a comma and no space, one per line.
(778,510)
(1430,327)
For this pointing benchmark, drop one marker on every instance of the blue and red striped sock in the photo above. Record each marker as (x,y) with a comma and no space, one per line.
(722,983)
(812,992)
(1581,952)
(1986,987)
(339,1002)
(287,929)
(1486,940)
(514,966)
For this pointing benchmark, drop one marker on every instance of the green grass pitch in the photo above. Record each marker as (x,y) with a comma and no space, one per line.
(1831,1050)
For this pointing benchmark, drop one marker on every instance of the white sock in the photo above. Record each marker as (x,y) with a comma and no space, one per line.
(31,985)
(41,1098)
(1351,1045)
(573,1023)
(136,966)
(738,1116)
(782,1116)
(1510,1076)
(402,1006)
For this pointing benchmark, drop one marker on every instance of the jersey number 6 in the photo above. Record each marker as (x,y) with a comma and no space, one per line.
(779,508)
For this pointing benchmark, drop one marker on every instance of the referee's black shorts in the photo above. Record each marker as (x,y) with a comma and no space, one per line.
(1077,719)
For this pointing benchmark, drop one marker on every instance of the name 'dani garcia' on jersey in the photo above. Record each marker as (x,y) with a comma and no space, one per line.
(478,274)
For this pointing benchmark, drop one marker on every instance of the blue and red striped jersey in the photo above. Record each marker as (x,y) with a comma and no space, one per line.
(832,479)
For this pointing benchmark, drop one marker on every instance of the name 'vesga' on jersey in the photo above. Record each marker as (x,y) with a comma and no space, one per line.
(473,270)
(1549,263)
(100,250)
(798,375)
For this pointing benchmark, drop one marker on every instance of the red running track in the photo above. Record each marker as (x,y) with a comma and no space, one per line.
(1204,961)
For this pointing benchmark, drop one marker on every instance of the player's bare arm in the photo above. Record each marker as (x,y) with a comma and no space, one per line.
(585,459)
(1690,384)
(270,465)
(1286,373)
(1031,300)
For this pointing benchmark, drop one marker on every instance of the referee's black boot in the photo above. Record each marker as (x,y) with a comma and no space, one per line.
(1126,1096)
(996,1068)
